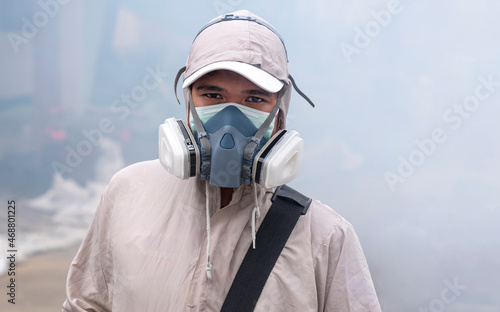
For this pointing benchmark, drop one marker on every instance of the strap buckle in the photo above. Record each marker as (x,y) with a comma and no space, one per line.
(287,193)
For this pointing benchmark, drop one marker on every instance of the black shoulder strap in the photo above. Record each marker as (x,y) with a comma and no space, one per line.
(288,205)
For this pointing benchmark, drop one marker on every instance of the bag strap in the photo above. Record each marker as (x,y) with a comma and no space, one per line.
(288,205)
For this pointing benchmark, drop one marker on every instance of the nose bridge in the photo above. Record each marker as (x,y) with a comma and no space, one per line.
(233,97)
(231,117)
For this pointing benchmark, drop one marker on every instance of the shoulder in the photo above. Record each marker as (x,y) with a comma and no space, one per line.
(329,229)
(339,262)
(139,174)
(141,180)
(139,170)
(143,187)
(326,221)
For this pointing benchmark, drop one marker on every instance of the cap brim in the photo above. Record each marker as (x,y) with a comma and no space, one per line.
(261,78)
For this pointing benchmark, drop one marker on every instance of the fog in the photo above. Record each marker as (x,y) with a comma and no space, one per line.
(403,142)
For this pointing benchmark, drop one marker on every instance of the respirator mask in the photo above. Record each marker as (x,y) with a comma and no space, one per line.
(230,145)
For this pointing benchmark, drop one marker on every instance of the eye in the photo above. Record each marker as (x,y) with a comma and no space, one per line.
(255,99)
(213,96)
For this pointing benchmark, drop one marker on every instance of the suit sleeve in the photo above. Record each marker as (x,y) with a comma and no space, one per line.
(87,281)
(344,279)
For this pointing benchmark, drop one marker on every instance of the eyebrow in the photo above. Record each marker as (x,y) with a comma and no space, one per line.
(205,87)
(210,88)
(257,92)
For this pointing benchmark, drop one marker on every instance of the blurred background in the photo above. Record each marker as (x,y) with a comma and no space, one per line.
(403,142)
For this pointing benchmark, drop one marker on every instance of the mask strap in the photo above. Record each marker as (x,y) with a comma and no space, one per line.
(177,77)
(255,141)
(300,92)
(265,125)
(204,141)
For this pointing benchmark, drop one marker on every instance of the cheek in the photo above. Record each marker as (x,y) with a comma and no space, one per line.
(267,107)
(197,100)
(270,106)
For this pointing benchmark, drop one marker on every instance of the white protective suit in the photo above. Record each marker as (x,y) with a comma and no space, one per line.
(146,249)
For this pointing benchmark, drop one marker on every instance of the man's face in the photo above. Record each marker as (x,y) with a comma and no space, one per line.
(223,86)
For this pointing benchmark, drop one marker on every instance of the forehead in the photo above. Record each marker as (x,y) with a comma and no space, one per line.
(225,77)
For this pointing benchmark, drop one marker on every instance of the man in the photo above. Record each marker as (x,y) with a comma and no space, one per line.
(160,243)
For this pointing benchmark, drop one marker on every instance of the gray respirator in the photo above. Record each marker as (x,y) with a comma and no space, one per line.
(228,150)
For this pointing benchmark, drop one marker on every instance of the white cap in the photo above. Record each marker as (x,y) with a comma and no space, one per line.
(261,78)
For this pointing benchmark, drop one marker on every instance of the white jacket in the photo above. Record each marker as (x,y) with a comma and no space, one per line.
(146,251)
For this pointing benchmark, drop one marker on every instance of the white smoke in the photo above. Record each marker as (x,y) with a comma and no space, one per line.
(66,209)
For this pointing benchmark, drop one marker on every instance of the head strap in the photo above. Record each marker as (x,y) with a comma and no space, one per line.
(177,77)
(300,92)
(249,152)
(204,141)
